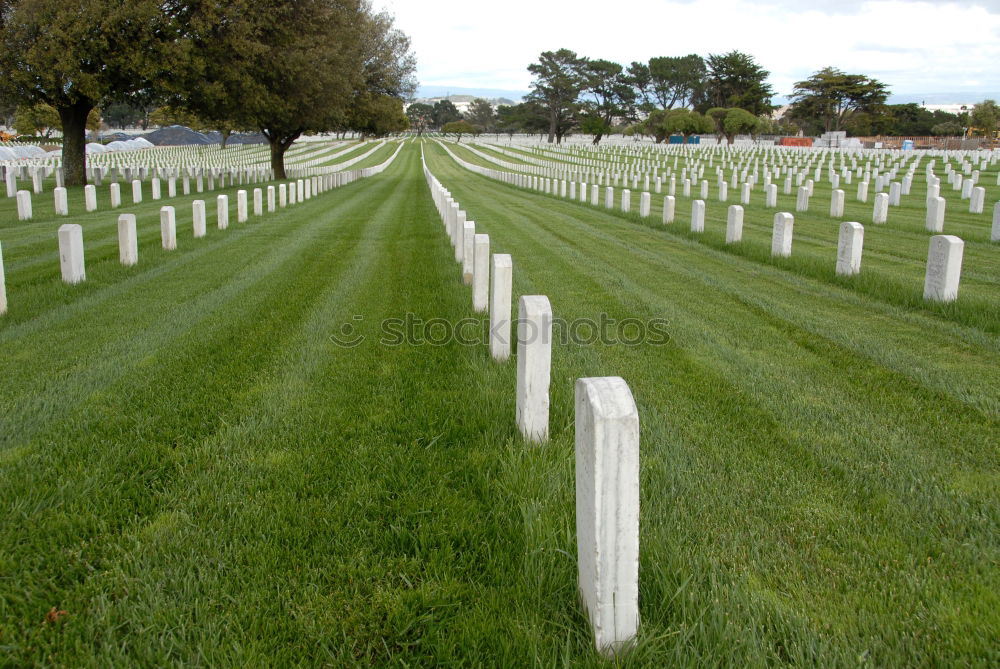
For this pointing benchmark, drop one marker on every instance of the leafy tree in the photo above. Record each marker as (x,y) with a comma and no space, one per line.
(76,56)
(36,120)
(739,122)
(421,116)
(529,117)
(481,115)
(559,80)
(718,117)
(445,112)
(458,128)
(948,128)
(611,96)
(168,115)
(379,115)
(668,81)
(984,118)
(290,67)
(121,115)
(734,79)
(661,124)
(831,95)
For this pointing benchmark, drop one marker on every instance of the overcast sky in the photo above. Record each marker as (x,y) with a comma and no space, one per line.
(913,46)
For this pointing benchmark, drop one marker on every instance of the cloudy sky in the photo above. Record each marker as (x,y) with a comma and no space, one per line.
(915,47)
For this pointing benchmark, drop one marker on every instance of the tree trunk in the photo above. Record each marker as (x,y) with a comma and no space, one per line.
(553,124)
(225,138)
(74,152)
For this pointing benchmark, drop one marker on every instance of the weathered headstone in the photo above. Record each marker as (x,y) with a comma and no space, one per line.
(978,200)
(168,228)
(534,366)
(241,206)
(771,199)
(128,243)
(222,211)
(24,211)
(3,286)
(944,268)
(468,255)
(501,289)
(61,202)
(71,253)
(862,191)
(849,245)
(607,509)
(880,214)
(481,272)
(734,224)
(198,218)
(698,216)
(802,200)
(781,235)
(935,214)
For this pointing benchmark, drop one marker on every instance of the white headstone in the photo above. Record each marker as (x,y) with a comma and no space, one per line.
(862,191)
(995,230)
(90,198)
(669,207)
(71,253)
(241,206)
(24,211)
(626,200)
(697,216)
(802,200)
(501,289)
(607,509)
(978,200)
(468,256)
(222,211)
(136,192)
(168,228)
(62,204)
(198,218)
(116,196)
(745,193)
(849,245)
(644,203)
(734,224)
(481,272)
(534,363)
(128,243)
(944,268)
(270,199)
(771,199)
(781,235)
(895,190)
(935,214)
(3,286)
(837,203)
(154,186)
(609,197)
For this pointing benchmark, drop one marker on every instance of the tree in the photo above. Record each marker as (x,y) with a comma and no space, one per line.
(734,79)
(739,122)
(289,67)
(612,96)
(121,115)
(984,117)
(458,128)
(668,81)
(36,120)
(379,115)
(76,56)
(481,115)
(445,112)
(421,116)
(559,80)
(831,96)
(948,128)
(662,124)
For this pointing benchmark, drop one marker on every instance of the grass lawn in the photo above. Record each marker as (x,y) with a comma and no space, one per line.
(196,473)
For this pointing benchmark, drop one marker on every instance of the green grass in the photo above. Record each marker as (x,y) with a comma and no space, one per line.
(196,474)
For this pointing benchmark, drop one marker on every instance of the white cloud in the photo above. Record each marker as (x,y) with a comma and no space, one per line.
(911,46)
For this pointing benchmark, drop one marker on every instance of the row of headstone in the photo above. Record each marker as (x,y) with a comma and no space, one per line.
(606,439)
(70,236)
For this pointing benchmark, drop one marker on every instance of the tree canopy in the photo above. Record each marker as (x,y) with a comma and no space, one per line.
(559,80)
(831,96)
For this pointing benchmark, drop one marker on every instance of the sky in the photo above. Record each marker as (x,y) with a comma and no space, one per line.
(915,47)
